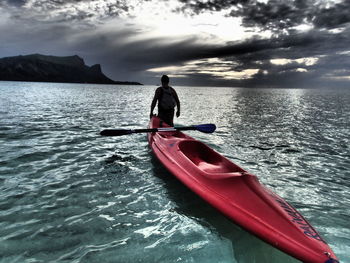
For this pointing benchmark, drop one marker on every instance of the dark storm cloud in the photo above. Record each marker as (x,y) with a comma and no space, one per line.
(160,52)
(126,59)
(329,37)
(277,15)
(330,61)
(67,10)
(333,17)
(14,2)
(70,27)
(157,52)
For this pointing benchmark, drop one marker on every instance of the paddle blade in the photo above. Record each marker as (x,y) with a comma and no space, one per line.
(113,132)
(206,128)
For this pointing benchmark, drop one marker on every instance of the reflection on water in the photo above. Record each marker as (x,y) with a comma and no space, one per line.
(69,195)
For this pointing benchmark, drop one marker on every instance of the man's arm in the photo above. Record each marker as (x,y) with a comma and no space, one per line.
(177,104)
(154,101)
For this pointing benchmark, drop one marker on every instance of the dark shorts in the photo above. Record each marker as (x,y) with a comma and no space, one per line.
(166,115)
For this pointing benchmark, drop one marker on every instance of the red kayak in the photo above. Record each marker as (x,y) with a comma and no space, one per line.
(238,195)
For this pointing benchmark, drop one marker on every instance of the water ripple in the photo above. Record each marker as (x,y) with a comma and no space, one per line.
(69,195)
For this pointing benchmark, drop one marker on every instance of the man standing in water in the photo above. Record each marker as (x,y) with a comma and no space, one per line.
(167,100)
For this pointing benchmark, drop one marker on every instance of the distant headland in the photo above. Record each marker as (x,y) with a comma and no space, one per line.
(42,68)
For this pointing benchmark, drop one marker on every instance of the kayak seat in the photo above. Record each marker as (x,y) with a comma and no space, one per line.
(210,163)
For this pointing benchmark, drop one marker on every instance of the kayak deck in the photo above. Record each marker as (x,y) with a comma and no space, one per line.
(238,194)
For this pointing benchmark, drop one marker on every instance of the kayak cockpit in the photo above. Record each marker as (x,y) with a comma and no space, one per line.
(210,163)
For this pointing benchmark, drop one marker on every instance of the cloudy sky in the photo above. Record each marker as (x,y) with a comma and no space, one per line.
(254,43)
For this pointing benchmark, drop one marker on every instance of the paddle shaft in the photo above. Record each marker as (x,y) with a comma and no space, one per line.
(207,128)
(156,130)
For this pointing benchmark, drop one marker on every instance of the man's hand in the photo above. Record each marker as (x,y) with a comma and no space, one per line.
(151,115)
(178,114)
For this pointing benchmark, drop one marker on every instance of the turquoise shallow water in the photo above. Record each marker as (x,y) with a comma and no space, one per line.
(69,195)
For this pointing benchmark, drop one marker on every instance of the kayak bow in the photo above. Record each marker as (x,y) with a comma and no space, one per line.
(238,195)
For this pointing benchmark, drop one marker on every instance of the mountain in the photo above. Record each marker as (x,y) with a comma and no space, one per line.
(42,68)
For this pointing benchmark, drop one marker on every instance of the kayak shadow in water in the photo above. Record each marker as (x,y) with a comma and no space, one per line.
(246,248)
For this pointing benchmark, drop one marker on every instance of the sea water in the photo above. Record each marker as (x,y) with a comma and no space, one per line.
(69,195)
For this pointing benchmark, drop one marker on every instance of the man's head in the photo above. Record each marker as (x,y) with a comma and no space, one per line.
(165,80)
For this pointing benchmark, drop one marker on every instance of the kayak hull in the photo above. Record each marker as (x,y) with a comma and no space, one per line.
(238,195)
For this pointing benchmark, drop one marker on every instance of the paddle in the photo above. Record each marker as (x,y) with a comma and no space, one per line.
(206,128)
